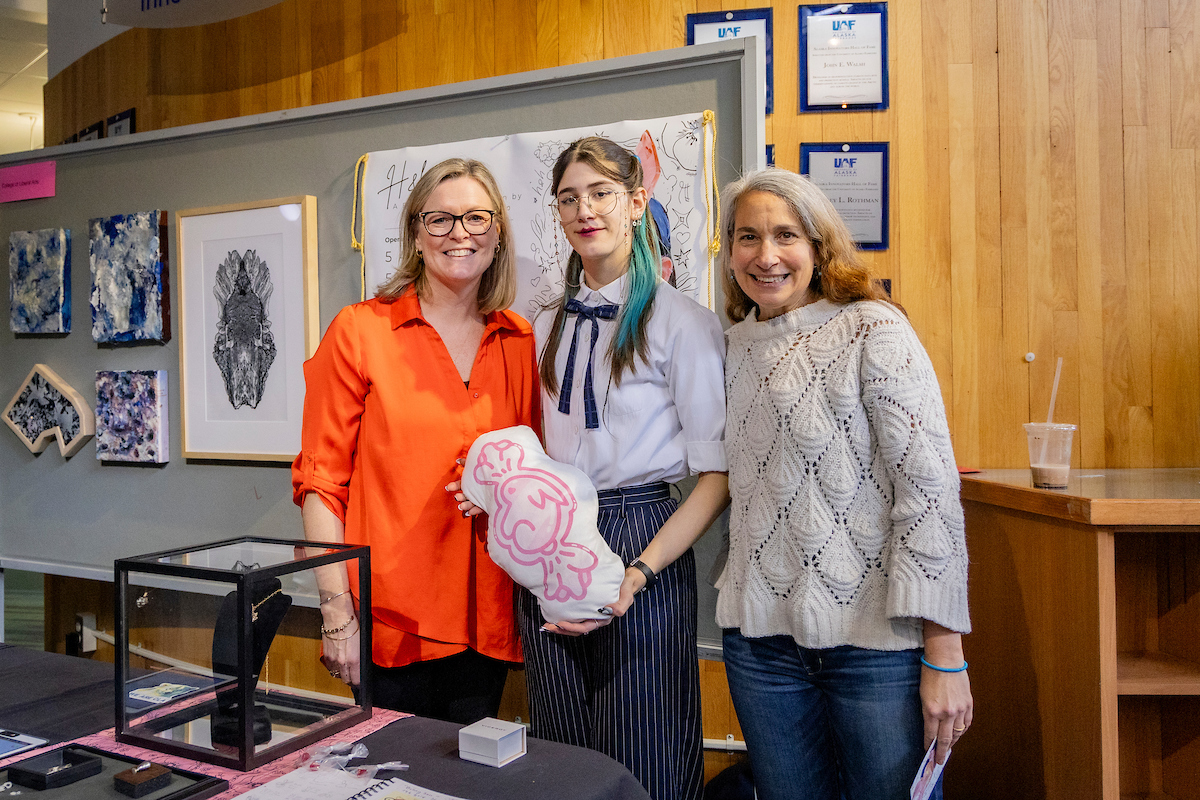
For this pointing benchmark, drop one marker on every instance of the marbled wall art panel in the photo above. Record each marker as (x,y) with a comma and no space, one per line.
(130,300)
(131,416)
(46,408)
(39,281)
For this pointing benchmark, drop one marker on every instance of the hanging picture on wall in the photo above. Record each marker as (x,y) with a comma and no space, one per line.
(677,167)
(39,281)
(249,318)
(130,301)
(132,423)
(843,57)
(47,408)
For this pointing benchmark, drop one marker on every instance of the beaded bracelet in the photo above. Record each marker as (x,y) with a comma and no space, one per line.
(963,668)
(339,628)
(334,596)
(350,635)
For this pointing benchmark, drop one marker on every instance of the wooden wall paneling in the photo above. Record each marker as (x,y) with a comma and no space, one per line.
(1016,127)
(513,40)
(1089,274)
(1176,408)
(380,21)
(546,47)
(301,48)
(252,36)
(1133,61)
(965,347)
(326,36)
(907,80)
(1182,23)
(581,30)
(1159,224)
(1039,208)
(352,50)
(416,47)
(1139,432)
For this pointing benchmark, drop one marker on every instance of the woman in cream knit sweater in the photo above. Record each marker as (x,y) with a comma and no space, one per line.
(845,593)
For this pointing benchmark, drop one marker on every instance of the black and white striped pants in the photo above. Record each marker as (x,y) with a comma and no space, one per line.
(632,689)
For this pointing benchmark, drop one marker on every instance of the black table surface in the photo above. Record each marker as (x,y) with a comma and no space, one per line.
(60,698)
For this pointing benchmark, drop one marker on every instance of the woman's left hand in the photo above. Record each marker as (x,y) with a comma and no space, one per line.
(946,701)
(947,706)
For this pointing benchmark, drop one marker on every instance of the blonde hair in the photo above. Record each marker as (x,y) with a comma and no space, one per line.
(839,274)
(498,287)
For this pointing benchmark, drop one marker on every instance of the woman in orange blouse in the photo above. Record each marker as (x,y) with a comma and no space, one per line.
(397,392)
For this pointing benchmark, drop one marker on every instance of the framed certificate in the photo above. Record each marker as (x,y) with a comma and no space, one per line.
(843,57)
(718,26)
(855,179)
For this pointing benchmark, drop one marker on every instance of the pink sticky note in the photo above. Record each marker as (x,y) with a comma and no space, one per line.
(27,181)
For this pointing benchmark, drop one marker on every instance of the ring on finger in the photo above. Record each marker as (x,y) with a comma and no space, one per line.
(960,730)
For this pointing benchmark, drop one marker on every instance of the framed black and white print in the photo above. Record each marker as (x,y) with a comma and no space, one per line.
(250,317)
(843,57)
(720,26)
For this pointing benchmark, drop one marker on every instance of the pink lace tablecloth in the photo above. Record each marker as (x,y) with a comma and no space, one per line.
(239,782)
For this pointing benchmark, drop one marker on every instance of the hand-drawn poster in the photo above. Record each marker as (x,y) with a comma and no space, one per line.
(671,150)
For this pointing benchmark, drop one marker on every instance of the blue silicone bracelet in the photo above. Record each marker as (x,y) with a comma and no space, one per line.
(963,668)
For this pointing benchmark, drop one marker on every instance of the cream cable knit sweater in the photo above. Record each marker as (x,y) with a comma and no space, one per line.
(846,525)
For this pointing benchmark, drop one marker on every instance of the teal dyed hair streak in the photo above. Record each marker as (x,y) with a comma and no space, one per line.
(644,265)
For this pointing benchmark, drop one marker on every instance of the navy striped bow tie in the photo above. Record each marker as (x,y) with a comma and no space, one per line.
(594,313)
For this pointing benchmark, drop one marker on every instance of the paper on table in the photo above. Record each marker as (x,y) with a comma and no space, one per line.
(306,784)
(923,784)
(396,789)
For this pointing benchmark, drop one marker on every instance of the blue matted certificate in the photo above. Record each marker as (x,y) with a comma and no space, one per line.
(719,26)
(854,176)
(843,57)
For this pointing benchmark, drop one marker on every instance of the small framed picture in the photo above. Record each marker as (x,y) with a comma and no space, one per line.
(719,26)
(844,57)
(854,176)
(249,318)
(93,131)
(123,124)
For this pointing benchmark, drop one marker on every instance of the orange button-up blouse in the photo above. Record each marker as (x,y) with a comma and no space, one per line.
(385,417)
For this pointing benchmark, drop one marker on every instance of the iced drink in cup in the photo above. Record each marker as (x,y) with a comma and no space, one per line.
(1050,453)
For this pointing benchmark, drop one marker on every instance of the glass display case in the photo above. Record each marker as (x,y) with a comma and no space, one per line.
(219,647)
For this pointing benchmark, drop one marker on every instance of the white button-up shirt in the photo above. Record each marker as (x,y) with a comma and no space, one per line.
(666,419)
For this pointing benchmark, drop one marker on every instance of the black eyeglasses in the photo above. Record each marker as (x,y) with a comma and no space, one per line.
(440,223)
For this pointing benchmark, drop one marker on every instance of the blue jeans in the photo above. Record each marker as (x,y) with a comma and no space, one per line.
(843,722)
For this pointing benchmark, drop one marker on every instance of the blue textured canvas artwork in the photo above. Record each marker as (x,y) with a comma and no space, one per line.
(129,278)
(131,416)
(39,281)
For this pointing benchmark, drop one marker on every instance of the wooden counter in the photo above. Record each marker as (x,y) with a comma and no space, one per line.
(1085,655)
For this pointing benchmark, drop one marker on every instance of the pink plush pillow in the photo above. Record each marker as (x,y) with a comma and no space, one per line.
(542,524)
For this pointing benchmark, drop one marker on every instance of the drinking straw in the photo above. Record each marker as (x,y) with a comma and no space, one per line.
(1054,391)
(1050,413)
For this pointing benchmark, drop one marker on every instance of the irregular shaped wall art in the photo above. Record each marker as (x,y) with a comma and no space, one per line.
(243,346)
(542,524)
(45,408)
(39,281)
(132,423)
(130,299)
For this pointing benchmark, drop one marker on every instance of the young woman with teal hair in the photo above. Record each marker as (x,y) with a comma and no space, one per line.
(632,382)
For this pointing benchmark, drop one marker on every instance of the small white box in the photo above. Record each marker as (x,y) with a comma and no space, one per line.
(492,741)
